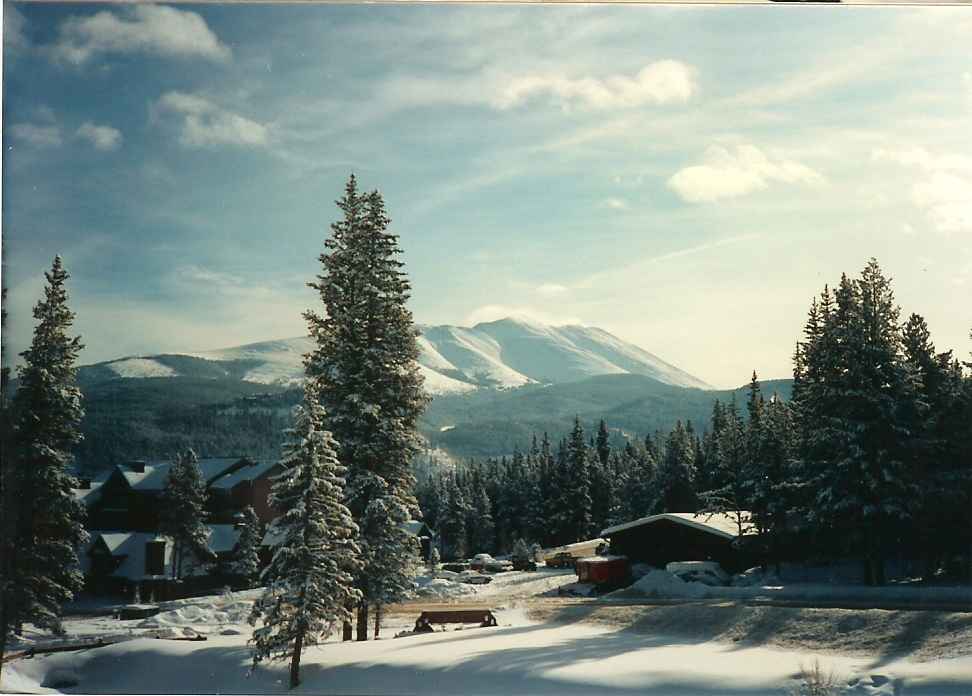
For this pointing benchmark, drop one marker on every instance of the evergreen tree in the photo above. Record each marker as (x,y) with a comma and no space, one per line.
(365,360)
(578,486)
(183,514)
(9,503)
(452,527)
(733,469)
(675,492)
(602,445)
(309,580)
(482,529)
(383,536)
(854,401)
(47,413)
(246,561)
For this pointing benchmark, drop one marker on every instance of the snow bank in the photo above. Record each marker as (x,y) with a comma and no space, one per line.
(661,583)
(441,588)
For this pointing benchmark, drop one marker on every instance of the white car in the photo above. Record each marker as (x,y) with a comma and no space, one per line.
(471,577)
(705,572)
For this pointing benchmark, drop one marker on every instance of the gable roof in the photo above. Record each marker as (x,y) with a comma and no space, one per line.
(248,472)
(155,474)
(720,524)
(131,545)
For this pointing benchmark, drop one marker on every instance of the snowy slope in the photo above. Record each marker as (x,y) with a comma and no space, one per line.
(500,354)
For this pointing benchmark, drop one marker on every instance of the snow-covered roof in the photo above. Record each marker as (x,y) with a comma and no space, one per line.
(223,537)
(155,473)
(131,545)
(249,472)
(89,495)
(721,524)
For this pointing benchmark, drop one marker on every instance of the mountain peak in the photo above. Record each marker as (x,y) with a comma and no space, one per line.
(504,353)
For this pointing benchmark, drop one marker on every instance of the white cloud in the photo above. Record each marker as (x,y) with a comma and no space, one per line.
(48,135)
(101,137)
(494,312)
(153,29)
(14,38)
(551,290)
(616,203)
(943,191)
(662,82)
(730,172)
(204,124)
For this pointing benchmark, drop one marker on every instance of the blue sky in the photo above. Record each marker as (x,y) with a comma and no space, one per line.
(684,177)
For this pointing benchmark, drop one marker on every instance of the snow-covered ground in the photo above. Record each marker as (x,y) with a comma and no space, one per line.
(542,646)
(519,656)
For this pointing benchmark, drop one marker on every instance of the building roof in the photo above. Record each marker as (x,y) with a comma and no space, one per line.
(249,472)
(90,495)
(222,538)
(720,524)
(155,474)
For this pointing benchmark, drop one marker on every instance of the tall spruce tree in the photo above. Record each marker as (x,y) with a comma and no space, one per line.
(246,560)
(578,485)
(183,515)
(674,476)
(309,582)
(365,362)
(853,398)
(47,413)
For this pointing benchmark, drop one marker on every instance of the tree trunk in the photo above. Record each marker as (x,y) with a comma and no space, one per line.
(377,620)
(295,661)
(362,621)
(347,632)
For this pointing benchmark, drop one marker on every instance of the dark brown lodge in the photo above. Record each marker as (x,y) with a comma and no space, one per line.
(682,536)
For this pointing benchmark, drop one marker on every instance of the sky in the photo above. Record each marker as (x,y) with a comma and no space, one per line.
(685,177)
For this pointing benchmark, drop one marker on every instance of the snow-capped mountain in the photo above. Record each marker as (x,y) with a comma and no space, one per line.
(498,354)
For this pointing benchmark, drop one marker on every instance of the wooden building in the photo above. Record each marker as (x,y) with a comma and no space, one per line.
(682,536)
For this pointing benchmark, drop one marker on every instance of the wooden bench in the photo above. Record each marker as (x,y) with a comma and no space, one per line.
(425,621)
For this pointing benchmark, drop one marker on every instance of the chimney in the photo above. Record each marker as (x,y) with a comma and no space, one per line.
(84,484)
(138,466)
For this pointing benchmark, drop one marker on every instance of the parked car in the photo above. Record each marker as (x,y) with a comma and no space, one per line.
(564,559)
(705,572)
(497,566)
(480,561)
(455,567)
(471,577)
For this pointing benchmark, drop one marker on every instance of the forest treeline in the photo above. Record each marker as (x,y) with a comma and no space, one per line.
(869,459)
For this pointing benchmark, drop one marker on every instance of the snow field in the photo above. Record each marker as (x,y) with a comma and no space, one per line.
(518,657)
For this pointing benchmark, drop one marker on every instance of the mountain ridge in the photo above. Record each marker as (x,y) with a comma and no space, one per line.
(500,354)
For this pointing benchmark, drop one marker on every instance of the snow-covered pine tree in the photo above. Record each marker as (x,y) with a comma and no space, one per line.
(434,559)
(452,522)
(183,514)
(365,359)
(483,531)
(732,457)
(8,498)
(854,394)
(673,480)
(246,561)
(47,413)
(309,581)
(578,485)
(383,538)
